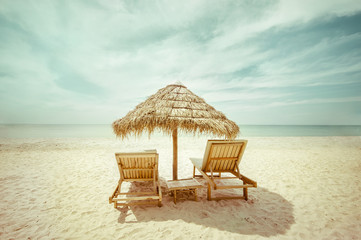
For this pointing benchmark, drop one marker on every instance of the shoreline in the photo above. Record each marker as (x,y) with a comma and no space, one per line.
(105,130)
(308,187)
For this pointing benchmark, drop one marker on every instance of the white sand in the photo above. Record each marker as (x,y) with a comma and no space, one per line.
(309,188)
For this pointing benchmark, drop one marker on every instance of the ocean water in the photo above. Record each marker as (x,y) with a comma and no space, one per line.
(105,130)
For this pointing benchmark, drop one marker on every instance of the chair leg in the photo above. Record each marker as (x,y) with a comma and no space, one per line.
(194,171)
(209,192)
(245,193)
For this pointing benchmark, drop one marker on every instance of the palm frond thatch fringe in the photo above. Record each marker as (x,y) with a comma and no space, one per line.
(175,107)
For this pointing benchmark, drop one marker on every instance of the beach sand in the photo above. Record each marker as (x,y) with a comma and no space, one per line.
(308,188)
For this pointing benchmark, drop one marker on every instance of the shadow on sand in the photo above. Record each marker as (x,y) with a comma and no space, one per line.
(265,213)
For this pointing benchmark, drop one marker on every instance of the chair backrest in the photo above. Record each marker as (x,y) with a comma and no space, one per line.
(137,165)
(223,155)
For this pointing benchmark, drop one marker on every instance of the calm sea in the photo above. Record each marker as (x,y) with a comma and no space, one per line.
(99,130)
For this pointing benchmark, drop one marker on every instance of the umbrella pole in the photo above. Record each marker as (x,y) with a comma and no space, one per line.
(175,154)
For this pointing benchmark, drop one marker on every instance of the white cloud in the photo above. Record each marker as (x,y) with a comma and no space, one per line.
(317,101)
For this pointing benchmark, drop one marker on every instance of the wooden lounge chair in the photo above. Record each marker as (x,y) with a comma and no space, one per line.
(223,156)
(137,167)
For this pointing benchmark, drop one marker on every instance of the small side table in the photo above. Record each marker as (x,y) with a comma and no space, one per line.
(183,185)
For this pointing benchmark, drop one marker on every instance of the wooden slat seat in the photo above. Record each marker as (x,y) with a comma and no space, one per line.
(137,167)
(223,156)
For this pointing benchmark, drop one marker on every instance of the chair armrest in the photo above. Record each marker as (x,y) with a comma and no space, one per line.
(206,177)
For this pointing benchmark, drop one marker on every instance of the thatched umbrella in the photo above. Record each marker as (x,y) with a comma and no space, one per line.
(171,108)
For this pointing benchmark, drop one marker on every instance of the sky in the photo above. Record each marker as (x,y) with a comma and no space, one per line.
(259,62)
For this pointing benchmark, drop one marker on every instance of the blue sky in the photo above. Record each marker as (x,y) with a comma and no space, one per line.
(259,62)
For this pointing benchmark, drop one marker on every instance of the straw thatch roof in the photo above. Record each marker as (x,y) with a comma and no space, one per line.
(175,107)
